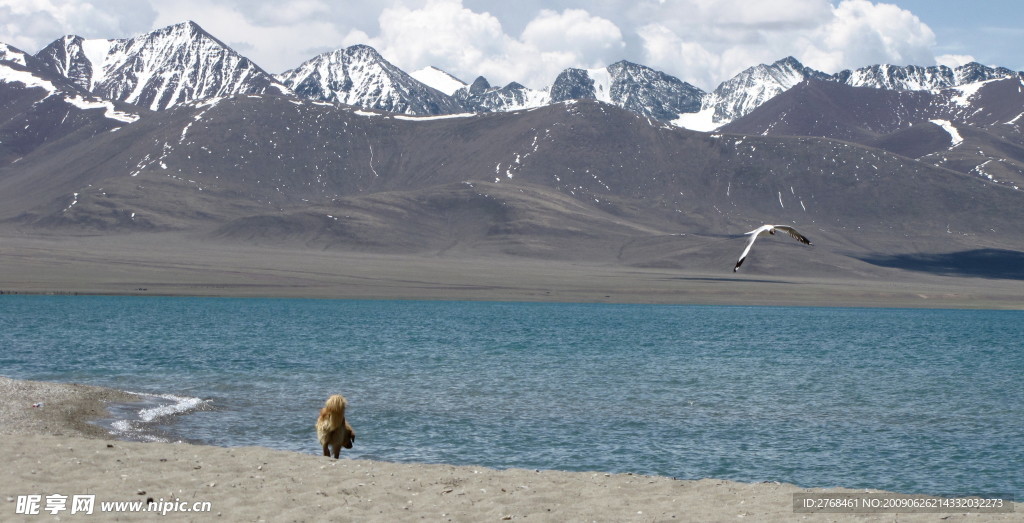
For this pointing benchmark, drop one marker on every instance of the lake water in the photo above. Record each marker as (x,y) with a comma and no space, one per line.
(917,401)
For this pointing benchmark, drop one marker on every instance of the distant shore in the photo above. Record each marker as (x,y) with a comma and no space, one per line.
(169,265)
(51,448)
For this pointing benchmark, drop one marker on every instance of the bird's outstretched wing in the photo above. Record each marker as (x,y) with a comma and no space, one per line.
(760,230)
(753,238)
(792,232)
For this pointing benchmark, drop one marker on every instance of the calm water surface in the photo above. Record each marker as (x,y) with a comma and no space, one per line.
(923,401)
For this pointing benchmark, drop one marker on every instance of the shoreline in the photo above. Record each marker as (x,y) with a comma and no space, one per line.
(919,302)
(64,409)
(56,449)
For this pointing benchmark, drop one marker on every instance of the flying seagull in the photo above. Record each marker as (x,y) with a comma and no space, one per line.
(768,229)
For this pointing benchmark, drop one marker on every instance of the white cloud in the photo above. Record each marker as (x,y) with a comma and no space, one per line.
(574,31)
(441,33)
(445,34)
(664,49)
(275,47)
(34,24)
(862,32)
(954,60)
(706,42)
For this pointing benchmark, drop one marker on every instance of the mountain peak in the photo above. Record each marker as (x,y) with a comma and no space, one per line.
(749,89)
(186,27)
(573,84)
(788,61)
(362,50)
(157,70)
(479,85)
(358,75)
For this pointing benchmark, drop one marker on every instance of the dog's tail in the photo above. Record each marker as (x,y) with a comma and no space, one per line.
(332,415)
(337,403)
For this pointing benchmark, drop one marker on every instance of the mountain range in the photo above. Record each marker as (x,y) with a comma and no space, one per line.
(183,63)
(175,132)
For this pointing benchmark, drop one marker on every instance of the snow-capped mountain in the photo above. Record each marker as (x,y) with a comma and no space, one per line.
(635,87)
(176,64)
(754,86)
(918,78)
(183,63)
(652,93)
(481,97)
(360,76)
(748,90)
(974,72)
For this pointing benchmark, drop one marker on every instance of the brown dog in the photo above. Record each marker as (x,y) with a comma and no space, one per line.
(331,428)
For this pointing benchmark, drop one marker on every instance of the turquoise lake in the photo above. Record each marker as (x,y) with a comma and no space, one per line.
(915,401)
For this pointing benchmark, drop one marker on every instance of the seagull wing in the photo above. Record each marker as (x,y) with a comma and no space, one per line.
(753,238)
(762,229)
(792,232)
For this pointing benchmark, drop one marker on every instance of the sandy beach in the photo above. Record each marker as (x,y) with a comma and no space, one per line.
(51,448)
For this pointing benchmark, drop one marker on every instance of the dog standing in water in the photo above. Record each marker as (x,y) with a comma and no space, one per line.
(331,428)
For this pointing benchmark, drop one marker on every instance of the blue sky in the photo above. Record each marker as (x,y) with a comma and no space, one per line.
(703,42)
(990,30)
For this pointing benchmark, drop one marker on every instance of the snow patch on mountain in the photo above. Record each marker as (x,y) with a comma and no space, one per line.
(432,118)
(96,52)
(108,108)
(11,75)
(438,79)
(966,92)
(12,54)
(602,79)
(954,135)
(703,120)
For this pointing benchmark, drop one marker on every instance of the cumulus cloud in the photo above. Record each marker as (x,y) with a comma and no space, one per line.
(32,25)
(441,33)
(467,43)
(246,27)
(954,60)
(862,32)
(574,31)
(706,42)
